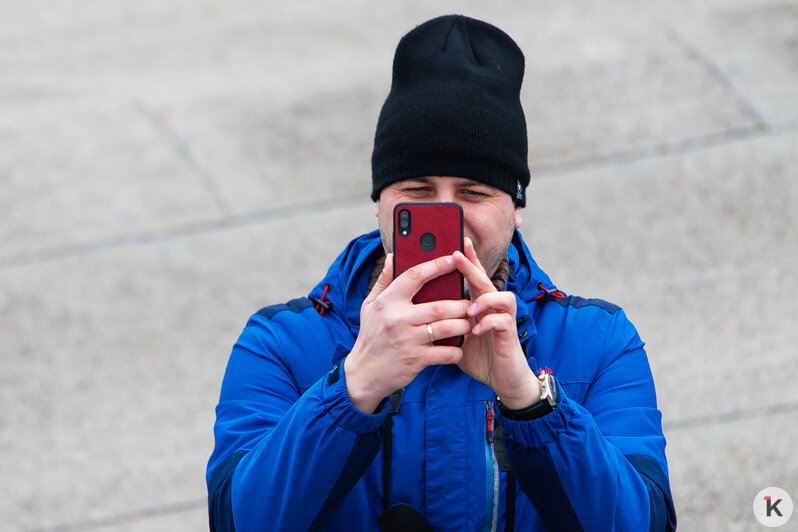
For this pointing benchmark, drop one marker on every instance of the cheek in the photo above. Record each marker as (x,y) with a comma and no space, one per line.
(468,223)
(385,223)
(479,226)
(490,236)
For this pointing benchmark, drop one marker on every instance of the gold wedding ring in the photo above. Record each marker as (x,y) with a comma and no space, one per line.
(429,332)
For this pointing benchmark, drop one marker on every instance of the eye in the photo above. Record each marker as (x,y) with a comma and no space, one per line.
(419,189)
(473,193)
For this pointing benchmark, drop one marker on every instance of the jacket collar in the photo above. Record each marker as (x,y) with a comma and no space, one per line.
(525,280)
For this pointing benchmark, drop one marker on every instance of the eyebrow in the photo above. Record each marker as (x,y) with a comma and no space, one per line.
(461,181)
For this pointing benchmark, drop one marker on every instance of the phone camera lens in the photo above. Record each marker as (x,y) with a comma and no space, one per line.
(404,222)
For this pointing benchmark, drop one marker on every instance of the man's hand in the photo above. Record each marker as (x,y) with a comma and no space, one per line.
(393,345)
(492,353)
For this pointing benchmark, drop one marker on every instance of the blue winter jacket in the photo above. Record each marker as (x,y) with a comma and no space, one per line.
(292,452)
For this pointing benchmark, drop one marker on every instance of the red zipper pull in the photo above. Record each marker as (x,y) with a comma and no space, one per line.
(490,424)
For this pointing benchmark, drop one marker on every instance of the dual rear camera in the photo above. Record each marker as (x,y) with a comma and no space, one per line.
(404,222)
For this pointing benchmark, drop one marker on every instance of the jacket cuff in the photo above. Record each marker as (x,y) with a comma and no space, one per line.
(338,404)
(541,431)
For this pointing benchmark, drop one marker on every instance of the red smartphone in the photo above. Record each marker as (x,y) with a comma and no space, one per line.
(424,231)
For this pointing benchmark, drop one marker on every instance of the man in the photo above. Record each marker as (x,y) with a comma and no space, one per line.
(337,412)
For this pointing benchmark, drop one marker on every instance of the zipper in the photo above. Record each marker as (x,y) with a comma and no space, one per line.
(491,473)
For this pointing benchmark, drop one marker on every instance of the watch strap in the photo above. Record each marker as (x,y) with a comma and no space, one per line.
(536,410)
(545,405)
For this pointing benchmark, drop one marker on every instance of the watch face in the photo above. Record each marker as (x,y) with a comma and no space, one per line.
(550,393)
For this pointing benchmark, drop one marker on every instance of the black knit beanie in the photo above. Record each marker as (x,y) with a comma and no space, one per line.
(454,108)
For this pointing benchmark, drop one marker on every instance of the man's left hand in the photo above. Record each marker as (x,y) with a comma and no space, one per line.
(492,353)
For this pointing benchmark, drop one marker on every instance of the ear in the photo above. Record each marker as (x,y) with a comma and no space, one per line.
(518,219)
(377,208)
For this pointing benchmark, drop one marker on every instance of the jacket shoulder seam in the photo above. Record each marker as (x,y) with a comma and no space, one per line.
(581,302)
(295,305)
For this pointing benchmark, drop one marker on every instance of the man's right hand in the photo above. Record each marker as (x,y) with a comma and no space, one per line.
(393,344)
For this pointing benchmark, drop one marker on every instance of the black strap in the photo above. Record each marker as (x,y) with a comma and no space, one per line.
(386,460)
(509,515)
(396,402)
(500,450)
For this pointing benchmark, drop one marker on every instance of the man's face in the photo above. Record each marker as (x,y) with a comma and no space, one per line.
(489,214)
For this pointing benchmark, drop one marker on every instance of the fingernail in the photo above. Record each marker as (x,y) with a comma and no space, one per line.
(449,260)
(472,308)
(476,329)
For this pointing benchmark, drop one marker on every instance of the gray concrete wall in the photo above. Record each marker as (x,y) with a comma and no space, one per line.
(160,162)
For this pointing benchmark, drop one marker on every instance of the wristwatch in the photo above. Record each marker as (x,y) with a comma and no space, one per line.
(549,398)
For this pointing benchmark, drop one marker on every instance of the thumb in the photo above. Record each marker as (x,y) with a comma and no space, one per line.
(385,278)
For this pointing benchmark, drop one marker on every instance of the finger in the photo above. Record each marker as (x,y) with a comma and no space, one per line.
(408,283)
(478,281)
(493,302)
(445,329)
(471,253)
(439,310)
(442,354)
(385,278)
(494,323)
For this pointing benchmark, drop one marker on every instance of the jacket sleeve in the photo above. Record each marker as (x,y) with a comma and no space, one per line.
(599,465)
(283,460)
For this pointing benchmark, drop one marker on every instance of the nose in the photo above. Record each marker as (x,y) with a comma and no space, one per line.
(444,198)
(444,194)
